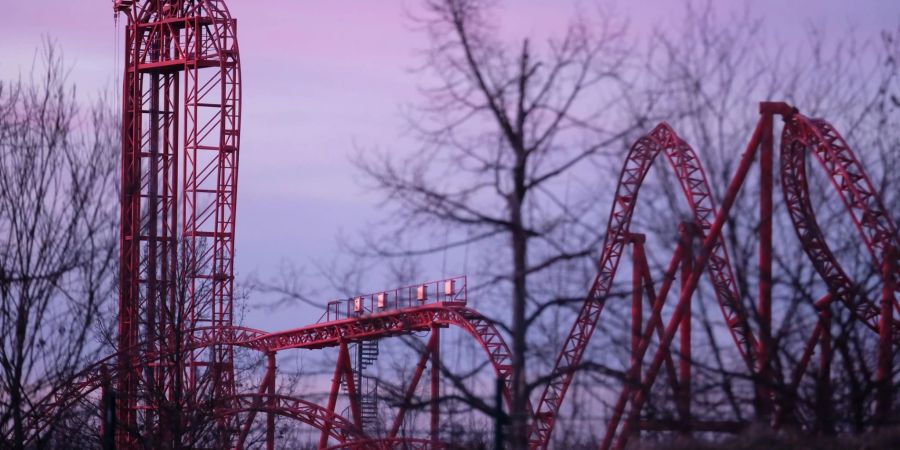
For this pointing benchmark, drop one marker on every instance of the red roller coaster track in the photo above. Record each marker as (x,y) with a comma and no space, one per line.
(181,92)
(181,124)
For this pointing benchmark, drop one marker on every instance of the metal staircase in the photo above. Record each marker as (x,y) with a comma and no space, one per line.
(366,387)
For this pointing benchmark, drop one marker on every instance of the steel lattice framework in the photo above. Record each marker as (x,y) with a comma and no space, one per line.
(180,123)
(180,141)
(686,166)
(802,137)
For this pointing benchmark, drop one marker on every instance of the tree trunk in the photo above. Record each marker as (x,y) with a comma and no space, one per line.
(519,406)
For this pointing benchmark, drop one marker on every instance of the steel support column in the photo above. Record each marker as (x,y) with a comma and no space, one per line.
(764,305)
(411,389)
(637,315)
(435,383)
(884,374)
(824,391)
(683,400)
(688,290)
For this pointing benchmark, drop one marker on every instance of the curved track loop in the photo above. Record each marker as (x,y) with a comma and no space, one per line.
(692,179)
(491,341)
(800,137)
(397,322)
(92,377)
(320,418)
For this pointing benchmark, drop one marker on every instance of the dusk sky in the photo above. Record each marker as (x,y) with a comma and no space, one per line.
(322,78)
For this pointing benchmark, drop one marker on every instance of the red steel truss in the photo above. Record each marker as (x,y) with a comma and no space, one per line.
(180,140)
(423,307)
(180,124)
(686,166)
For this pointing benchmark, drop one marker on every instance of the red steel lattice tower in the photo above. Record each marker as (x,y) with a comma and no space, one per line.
(181,99)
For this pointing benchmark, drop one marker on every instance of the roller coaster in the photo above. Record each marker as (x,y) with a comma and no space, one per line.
(181,122)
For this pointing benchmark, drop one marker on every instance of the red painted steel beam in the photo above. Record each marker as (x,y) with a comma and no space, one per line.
(270,415)
(709,243)
(630,389)
(824,391)
(267,383)
(712,426)
(404,443)
(642,285)
(637,315)
(338,427)
(411,389)
(640,258)
(683,396)
(884,374)
(695,187)
(201,118)
(358,328)
(763,378)
(167,120)
(341,367)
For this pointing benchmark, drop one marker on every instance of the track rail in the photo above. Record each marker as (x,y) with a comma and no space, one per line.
(802,137)
(338,427)
(197,38)
(181,117)
(393,323)
(693,182)
(93,377)
(316,336)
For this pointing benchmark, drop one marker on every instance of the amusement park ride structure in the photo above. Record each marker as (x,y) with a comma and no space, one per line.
(181,121)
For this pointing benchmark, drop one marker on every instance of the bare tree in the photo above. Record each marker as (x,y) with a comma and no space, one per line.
(57,221)
(501,129)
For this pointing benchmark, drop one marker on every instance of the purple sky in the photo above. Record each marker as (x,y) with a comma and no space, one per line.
(321,76)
